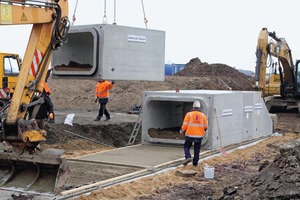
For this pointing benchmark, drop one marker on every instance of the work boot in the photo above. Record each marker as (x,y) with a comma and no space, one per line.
(107,118)
(97,119)
(187,161)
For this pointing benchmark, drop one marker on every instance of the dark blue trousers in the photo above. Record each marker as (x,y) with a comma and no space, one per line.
(102,109)
(187,146)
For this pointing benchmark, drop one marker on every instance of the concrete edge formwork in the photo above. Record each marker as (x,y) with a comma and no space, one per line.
(233,116)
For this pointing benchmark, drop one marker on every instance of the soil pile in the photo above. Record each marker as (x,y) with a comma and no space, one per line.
(278,180)
(221,76)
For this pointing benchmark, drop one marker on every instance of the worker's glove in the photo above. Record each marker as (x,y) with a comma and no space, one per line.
(181,132)
(51,117)
(96,100)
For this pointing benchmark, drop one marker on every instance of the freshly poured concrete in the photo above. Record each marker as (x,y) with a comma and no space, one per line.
(144,156)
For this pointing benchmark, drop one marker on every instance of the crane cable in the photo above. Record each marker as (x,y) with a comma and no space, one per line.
(145,19)
(104,19)
(115,13)
(74,18)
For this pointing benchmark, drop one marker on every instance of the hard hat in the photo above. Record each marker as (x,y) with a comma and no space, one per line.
(196,104)
(47,89)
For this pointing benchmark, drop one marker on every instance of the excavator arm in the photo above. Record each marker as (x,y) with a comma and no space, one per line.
(50,25)
(279,49)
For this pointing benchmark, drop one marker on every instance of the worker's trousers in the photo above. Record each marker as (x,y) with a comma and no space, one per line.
(102,110)
(187,146)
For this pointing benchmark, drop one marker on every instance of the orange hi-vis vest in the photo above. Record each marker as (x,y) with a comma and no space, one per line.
(47,88)
(194,124)
(102,89)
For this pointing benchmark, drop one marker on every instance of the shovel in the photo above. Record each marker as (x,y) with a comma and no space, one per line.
(223,152)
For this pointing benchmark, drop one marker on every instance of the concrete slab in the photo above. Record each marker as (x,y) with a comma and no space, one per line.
(145,155)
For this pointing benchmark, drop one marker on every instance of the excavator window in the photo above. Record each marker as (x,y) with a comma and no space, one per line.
(11,66)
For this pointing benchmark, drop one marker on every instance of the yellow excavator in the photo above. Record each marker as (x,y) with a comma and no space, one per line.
(280,86)
(25,167)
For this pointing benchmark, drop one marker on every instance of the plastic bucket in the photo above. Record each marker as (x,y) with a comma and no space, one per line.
(209,172)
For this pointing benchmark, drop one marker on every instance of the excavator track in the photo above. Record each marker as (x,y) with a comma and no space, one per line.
(46,172)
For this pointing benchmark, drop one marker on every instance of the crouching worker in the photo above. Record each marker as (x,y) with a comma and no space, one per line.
(194,126)
(45,111)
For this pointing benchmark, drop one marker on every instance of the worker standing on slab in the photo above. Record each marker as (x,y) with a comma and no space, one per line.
(194,125)
(102,95)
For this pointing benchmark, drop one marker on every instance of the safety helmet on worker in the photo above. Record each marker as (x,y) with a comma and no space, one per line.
(196,104)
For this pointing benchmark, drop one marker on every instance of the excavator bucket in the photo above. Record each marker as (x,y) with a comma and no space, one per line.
(47,172)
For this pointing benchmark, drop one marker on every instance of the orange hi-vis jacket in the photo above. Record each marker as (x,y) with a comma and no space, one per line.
(47,88)
(102,89)
(194,124)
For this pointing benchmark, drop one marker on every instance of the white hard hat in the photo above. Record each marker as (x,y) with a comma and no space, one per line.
(196,104)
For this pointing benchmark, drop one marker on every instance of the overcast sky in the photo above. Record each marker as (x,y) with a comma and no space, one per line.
(216,31)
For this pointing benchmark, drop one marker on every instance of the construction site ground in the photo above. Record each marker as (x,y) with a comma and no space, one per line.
(269,169)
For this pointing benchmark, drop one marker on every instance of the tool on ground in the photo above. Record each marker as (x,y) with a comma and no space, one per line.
(223,152)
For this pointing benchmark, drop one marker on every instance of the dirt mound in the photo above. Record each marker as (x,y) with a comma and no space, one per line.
(220,74)
(268,184)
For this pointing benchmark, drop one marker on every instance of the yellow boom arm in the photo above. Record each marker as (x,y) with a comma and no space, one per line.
(47,19)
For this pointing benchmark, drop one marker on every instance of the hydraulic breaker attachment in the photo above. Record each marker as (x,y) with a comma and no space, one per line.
(46,172)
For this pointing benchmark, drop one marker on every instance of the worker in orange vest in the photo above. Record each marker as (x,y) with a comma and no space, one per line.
(194,125)
(46,110)
(102,94)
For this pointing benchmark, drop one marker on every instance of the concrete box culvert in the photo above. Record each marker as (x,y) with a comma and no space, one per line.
(241,116)
(111,52)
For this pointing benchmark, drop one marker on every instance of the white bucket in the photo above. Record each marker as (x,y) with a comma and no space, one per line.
(209,172)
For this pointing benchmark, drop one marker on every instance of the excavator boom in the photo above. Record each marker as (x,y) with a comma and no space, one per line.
(25,167)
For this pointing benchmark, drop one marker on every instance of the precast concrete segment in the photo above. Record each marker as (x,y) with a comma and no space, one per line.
(113,52)
(242,115)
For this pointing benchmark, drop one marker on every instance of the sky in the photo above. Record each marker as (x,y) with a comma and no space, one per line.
(215,31)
